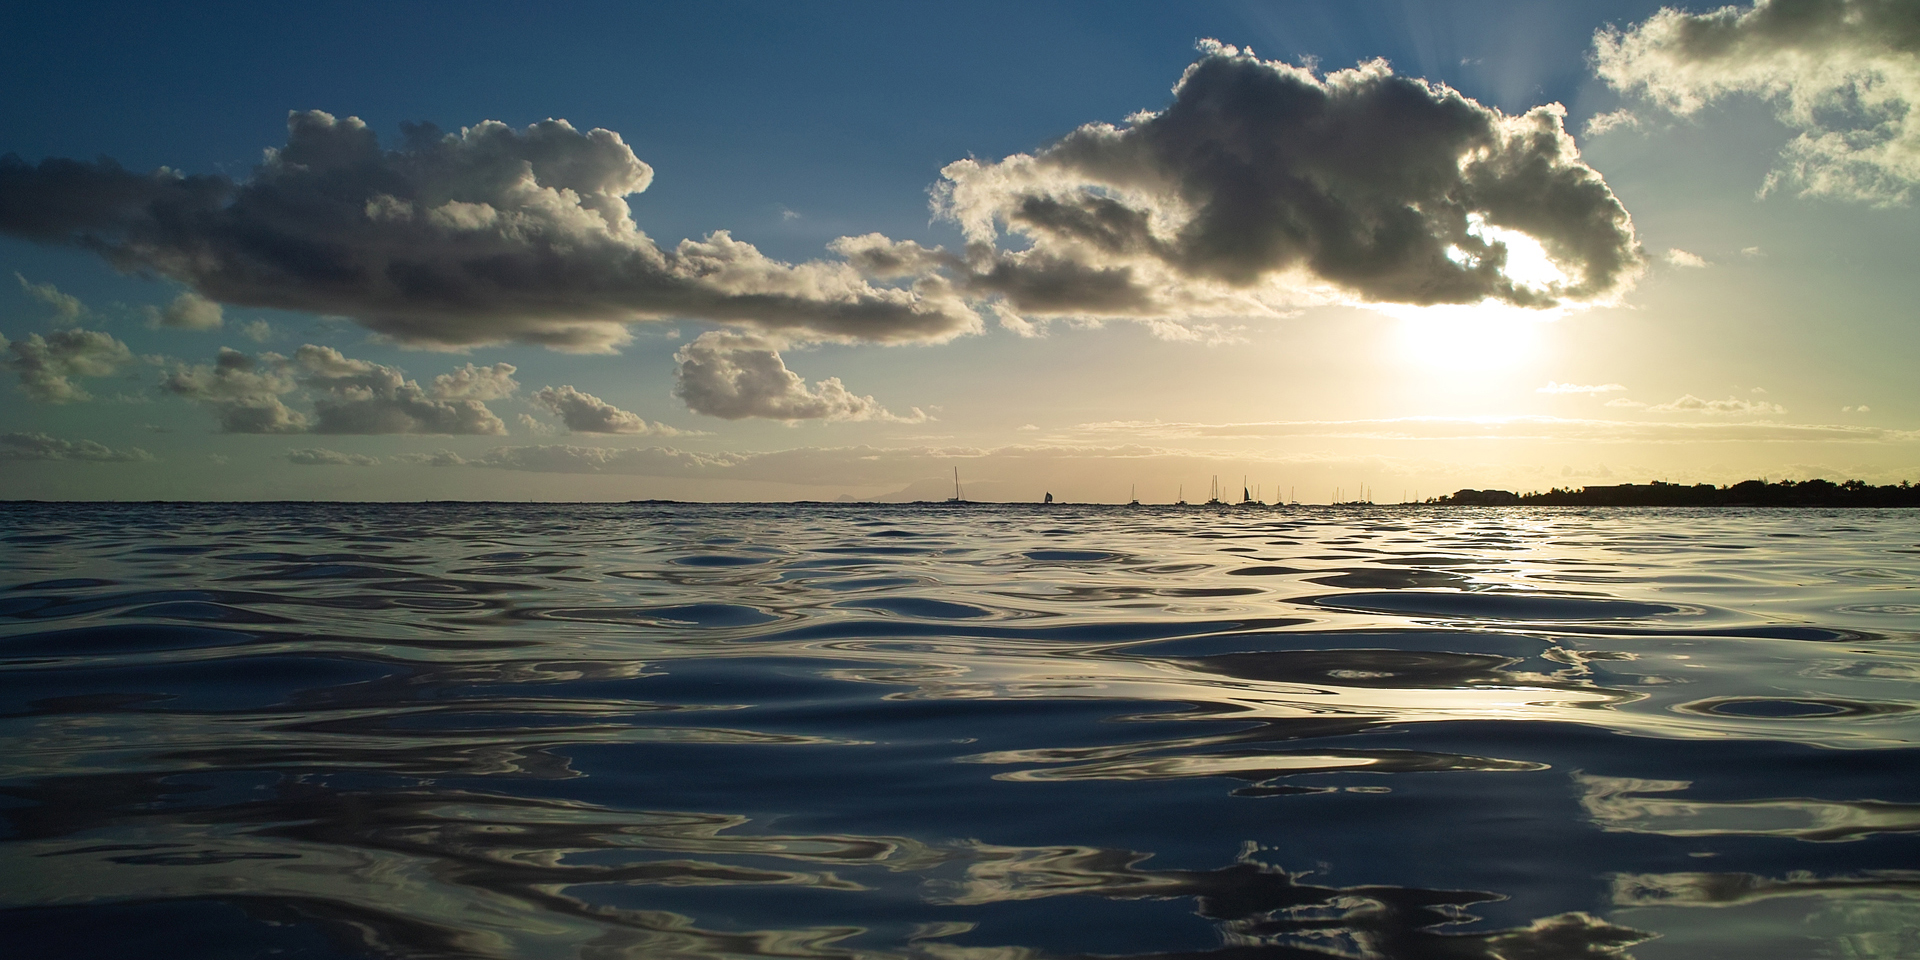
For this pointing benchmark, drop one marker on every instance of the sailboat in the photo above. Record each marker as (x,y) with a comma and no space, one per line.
(956,498)
(1213,497)
(1049,498)
(1133,495)
(1363,501)
(1182,501)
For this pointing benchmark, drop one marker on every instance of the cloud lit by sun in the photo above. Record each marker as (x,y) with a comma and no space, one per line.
(1345,226)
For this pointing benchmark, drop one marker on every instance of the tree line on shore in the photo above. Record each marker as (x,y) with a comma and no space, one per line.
(1747,493)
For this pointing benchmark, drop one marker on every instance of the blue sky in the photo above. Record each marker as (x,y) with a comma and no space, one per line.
(743,108)
(1749,352)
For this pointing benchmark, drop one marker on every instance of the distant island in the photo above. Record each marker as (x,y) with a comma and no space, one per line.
(1747,493)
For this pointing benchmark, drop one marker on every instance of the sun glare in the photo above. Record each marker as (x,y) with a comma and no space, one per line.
(1479,337)
(1527,262)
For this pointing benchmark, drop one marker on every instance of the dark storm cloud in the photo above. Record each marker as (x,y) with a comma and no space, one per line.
(485,235)
(1261,175)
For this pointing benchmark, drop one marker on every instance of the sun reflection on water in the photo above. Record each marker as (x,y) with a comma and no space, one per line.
(627,730)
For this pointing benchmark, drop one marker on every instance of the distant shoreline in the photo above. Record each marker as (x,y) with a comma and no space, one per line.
(1747,493)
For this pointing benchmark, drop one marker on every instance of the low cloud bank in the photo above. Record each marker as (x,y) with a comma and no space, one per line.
(1731,405)
(1554,429)
(40,446)
(822,466)
(322,457)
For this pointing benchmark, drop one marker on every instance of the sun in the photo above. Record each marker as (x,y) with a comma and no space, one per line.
(1470,338)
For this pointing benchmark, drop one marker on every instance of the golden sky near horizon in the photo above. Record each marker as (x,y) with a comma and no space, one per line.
(1324,247)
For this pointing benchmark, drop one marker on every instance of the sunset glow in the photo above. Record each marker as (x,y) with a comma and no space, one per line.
(629,279)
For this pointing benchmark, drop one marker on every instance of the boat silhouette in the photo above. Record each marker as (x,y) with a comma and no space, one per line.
(1213,496)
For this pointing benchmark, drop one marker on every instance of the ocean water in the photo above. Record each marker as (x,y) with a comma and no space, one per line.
(957,733)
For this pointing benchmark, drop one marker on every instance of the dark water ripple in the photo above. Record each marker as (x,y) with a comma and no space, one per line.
(610,731)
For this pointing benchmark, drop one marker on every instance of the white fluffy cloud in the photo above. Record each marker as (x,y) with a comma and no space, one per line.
(586,413)
(349,396)
(243,391)
(1681,258)
(1603,123)
(476,383)
(533,424)
(67,308)
(1261,187)
(734,376)
(188,311)
(481,236)
(47,364)
(40,446)
(1263,183)
(358,396)
(1845,73)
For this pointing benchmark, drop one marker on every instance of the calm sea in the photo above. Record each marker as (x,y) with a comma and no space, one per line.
(957,733)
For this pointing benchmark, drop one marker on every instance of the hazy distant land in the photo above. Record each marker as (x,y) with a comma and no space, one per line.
(1747,493)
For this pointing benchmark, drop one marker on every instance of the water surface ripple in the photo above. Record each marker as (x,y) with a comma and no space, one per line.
(957,733)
